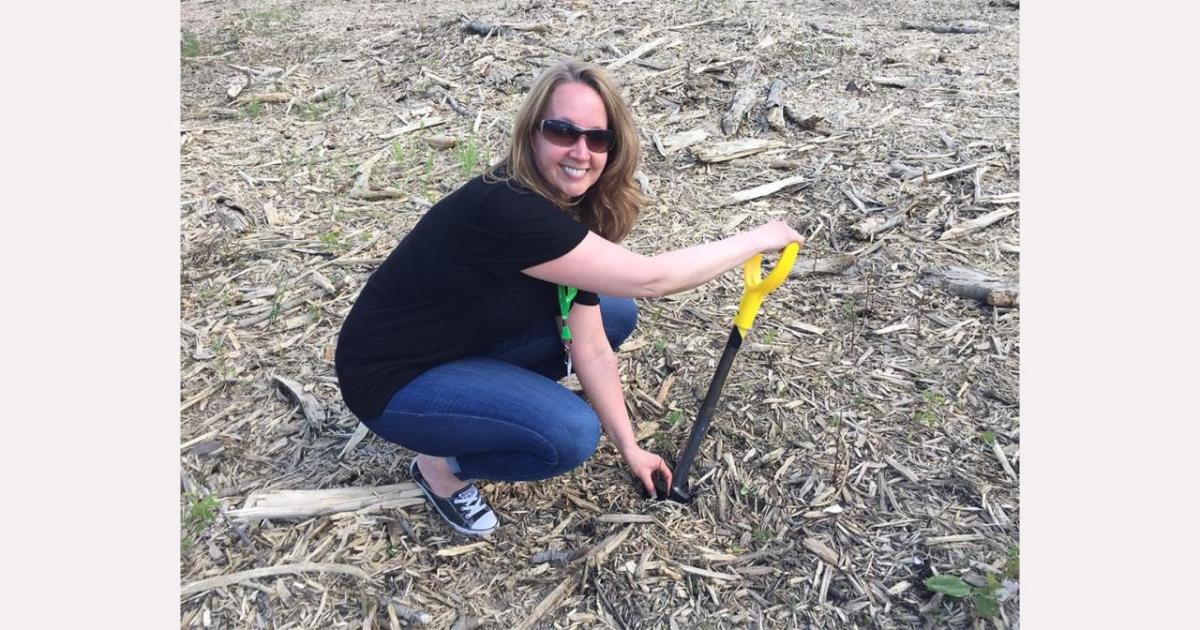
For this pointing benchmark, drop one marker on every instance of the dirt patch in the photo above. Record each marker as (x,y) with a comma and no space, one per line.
(867,437)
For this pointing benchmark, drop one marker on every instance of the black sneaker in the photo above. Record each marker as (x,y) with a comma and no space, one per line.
(466,510)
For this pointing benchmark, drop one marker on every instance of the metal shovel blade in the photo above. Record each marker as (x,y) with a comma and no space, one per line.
(679,490)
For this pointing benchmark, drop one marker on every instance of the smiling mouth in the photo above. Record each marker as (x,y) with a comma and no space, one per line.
(572,171)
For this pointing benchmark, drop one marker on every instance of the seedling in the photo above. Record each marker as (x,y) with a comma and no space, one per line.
(987,605)
(468,156)
(189,44)
(252,109)
(201,513)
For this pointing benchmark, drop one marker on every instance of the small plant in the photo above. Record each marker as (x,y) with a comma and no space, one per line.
(988,437)
(746,490)
(984,598)
(1012,566)
(427,176)
(332,238)
(189,44)
(273,17)
(309,111)
(201,513)
(252,108)
(762,535)
(986,604)
(397,153)
(927,414)
(468,156)
(660,345)
(770,335)
(674,417)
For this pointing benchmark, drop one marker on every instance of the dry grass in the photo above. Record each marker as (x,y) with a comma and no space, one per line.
(868,435)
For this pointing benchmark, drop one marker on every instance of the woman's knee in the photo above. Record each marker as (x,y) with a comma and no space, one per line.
(620,318)
(577,440)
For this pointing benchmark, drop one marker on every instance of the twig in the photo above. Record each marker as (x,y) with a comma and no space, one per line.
(207,584)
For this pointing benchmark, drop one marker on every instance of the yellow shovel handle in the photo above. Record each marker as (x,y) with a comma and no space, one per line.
(758,287)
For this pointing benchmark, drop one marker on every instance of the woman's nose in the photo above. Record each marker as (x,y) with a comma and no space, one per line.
(580,149)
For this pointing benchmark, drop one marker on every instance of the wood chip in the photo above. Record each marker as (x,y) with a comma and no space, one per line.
(625,518)
(902,469)
(450,552)
(827,555)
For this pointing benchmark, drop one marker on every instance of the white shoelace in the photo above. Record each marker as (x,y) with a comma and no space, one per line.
(471,503)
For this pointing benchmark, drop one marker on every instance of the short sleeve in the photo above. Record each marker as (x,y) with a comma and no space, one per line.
(511,230)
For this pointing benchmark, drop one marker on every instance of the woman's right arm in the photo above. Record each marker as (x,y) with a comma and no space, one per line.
(603,267)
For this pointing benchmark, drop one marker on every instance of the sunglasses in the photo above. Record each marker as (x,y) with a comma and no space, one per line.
(564,134)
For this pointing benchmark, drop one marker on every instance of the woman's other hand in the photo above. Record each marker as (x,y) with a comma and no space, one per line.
(644,464)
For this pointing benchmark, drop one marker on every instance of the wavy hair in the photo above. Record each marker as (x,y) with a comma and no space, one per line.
(610,207)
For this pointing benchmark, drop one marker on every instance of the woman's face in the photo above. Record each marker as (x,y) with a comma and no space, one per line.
(573,169)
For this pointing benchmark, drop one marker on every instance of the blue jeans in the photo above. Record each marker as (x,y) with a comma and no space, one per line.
(503,416)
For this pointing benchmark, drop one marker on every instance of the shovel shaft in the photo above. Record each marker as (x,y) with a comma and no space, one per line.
(684,463)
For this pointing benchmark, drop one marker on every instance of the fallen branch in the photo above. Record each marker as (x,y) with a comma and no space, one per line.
(637,53)
(733,149)
(303,504)
(549,602)
(978,223)
(677,141)
(974,284)
(207,584)
(866,229)
(765,189)
(961,27)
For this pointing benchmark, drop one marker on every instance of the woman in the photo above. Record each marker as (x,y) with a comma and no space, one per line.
(455,344)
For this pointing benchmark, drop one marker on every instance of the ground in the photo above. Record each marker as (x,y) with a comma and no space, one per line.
(868,435)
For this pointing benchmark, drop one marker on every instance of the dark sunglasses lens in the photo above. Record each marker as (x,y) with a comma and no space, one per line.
(565,134)
(599,140)
(559,132)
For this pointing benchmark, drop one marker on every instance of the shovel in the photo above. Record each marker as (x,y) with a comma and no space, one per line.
(756,289)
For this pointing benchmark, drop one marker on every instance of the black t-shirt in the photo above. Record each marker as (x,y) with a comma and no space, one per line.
(453,288)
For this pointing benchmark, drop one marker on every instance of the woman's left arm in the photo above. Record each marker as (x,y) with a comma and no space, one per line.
(596,365)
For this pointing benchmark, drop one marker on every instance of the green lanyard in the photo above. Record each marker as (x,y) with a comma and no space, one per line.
(565,295)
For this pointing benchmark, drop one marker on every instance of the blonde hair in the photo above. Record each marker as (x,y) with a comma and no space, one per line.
(611,205)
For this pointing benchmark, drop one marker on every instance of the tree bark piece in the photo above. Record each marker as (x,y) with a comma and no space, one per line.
(978,223)
(774,105)
(974,284)
(743,100)
(314,412)
(733,149)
